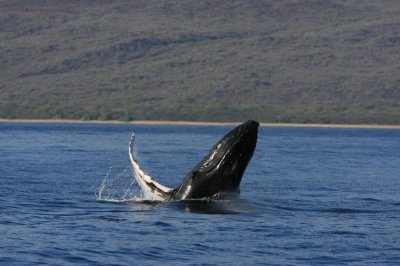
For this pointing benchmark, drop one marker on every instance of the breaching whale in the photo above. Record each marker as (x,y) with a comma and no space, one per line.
(220,171)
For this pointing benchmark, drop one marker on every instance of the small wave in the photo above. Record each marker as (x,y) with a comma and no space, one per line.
(338,232)
(6,222)
(162,224)
(371,199)
(327,189)
(339,210)
(110,219)
(349,210)
(288,208)
(210,206)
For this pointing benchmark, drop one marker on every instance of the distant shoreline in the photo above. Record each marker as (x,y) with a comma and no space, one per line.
(194,123)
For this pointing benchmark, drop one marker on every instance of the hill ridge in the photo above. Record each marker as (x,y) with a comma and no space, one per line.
(273,61)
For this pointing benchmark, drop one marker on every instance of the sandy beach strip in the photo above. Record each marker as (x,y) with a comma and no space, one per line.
(194,123)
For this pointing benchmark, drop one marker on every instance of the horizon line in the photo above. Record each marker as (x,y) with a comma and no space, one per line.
(195,123)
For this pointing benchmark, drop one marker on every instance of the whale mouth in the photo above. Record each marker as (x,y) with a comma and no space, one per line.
(243,136)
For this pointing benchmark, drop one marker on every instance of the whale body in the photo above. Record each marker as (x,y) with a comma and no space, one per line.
(220,171)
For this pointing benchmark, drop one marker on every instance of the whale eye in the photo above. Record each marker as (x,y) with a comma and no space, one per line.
(195,174)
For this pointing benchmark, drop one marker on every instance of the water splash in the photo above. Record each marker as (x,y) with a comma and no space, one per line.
(122,186)
(119,187)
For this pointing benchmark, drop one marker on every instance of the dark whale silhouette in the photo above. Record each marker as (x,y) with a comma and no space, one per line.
(219,172)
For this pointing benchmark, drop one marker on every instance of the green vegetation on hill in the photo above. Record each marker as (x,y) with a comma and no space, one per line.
(311,61)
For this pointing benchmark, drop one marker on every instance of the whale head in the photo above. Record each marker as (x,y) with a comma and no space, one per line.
(221,170)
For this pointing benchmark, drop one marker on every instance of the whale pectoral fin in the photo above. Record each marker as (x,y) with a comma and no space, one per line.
(147,183)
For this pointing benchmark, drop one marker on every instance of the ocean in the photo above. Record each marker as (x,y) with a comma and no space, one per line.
(310,196)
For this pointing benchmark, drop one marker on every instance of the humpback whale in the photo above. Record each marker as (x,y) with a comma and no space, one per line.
(220,171)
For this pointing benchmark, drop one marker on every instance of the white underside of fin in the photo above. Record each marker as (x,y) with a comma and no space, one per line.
(152,190)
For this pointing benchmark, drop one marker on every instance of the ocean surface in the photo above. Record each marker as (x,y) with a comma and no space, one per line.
(310,196)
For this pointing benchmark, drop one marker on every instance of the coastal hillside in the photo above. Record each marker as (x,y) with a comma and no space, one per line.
(275,61)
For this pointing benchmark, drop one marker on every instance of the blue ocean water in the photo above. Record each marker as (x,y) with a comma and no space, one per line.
(310,196)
